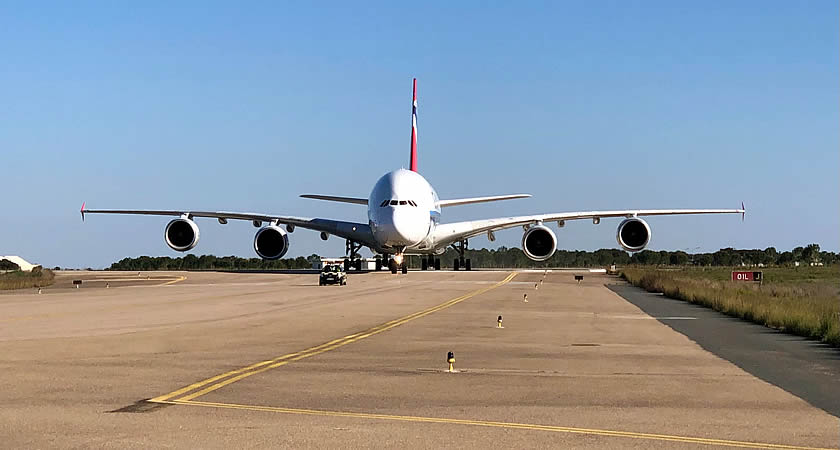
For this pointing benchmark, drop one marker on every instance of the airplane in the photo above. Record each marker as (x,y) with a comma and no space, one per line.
(404,218)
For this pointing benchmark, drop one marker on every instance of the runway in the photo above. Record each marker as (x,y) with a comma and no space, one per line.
(186,360)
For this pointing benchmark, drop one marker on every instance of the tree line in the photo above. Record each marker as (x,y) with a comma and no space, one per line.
(504,257)
(514,257)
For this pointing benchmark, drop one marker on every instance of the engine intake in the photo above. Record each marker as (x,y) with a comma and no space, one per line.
(633,234)
(539,243)
(181,234)
(271,242)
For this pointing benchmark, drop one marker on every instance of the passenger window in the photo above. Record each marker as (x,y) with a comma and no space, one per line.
(393,202)
(403,202)
(384,203)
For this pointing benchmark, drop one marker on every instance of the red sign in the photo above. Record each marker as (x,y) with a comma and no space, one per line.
(746,276)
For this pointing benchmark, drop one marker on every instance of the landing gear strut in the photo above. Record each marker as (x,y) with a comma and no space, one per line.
(461,248)
(351,249)
(430,262)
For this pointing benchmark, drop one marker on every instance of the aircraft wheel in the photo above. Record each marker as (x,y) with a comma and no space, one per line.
(455,265)
(404,268)
(468,265)
(437,263)
(424,264)
(393,266)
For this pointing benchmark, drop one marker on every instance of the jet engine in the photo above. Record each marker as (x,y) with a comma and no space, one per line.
(633,234)
(271,242)
(181,234)
(539,243)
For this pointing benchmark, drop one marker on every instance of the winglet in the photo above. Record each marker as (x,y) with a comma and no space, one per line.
(83,211)
(743,211)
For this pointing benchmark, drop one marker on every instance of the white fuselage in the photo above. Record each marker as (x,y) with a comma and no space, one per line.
(403,210)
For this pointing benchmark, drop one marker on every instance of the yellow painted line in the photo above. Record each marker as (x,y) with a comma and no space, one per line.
(180,278)
(508,425)
(233,376)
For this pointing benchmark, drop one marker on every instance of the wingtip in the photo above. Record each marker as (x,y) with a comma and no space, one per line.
(743,212)
(82,211)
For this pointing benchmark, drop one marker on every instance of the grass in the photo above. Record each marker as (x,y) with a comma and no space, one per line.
(21,280)
(800,300)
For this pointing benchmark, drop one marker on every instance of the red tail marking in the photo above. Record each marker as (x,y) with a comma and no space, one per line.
(413,162)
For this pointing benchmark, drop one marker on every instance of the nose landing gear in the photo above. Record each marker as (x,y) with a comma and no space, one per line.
(398,263)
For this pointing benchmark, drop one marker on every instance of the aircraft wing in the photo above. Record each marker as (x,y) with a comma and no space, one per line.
(467,201)
(358,232)
(447,233)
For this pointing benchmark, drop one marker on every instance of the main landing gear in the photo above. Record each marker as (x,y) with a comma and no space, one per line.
(430,262)
(352,251)
(461,248)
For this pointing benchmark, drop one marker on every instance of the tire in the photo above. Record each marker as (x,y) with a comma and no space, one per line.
(378,264)
(455,265)
(468,265)
(424,264)
(404,268)
(393,266)
(358,264)
(346,265)
(437,263)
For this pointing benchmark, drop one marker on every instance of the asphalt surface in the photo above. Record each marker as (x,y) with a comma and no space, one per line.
(226,360)
(808,369)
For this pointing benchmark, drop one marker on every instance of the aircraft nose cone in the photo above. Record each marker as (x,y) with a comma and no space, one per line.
(406,228)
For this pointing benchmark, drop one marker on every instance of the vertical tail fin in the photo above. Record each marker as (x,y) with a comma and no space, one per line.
(413,162)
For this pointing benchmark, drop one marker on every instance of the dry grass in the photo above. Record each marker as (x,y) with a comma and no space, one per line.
(21,280)
(802,301)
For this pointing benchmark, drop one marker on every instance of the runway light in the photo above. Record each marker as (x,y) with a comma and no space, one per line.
(536,286)
(39,290)
(525,297)
(499,322)
(450,358)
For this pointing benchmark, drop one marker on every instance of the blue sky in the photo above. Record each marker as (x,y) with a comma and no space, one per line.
(586,106)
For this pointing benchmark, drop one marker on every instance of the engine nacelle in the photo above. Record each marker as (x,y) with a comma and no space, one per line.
(633,234)
(181,234)
(271,242)
(539,243)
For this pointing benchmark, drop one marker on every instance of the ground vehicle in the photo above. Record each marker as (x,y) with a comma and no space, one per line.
(332,274)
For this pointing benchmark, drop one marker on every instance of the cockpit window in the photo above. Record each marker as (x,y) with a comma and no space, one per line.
(398,202)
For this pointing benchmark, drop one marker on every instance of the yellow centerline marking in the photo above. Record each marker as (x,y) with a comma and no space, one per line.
(222,380)
(509,425)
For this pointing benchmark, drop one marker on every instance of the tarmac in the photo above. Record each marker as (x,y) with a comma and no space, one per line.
(221,360)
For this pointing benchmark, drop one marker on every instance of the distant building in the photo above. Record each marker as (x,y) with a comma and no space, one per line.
(367,263)
(22,263)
